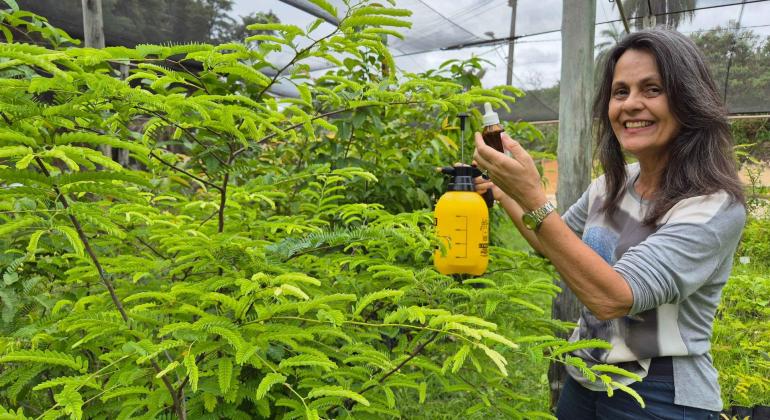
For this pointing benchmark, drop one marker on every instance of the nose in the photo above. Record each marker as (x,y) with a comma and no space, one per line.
(634,101)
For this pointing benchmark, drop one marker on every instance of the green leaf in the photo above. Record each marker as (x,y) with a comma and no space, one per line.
(74,239)
(308,360)
(171,366)
(32,245)
(616,370)
(24,162)
(459,358)
(225,374)
(71,400)
(337,391)
(630,392)
(311,414)
(48,357)
(15,137)
(267,382)
(323,4)
(120,392)
(583,344)
(16,225)
(192,370)
(11,151)
(374,10)
(378,295)
(280,27)
(12,4)
(370,20)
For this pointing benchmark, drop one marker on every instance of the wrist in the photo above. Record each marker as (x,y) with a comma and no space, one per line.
(534,203)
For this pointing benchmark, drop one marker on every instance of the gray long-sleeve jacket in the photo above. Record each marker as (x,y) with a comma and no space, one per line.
(676,271)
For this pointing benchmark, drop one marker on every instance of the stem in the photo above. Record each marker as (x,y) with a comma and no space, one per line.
(294,60)
(180,170)
(151,248)
(222,202)
(202,84)
(412,355)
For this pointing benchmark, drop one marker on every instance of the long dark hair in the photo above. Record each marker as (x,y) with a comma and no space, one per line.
(700,158)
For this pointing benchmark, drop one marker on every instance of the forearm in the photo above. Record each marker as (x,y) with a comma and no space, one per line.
(515,212)
(604,292)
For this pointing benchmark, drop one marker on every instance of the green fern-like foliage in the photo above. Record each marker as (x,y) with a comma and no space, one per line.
(742,339)
(256,256)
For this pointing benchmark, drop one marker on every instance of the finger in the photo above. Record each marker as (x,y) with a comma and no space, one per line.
(513,146)
(485,156)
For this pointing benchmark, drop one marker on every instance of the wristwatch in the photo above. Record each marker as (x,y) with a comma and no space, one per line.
(533,219)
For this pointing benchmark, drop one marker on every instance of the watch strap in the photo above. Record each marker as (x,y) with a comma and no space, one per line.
(538,215)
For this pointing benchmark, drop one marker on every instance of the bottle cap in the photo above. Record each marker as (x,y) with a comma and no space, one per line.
(490,117)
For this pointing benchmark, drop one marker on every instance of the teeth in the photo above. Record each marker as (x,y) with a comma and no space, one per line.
(638,124)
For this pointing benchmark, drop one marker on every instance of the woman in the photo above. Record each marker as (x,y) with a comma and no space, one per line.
(649,246)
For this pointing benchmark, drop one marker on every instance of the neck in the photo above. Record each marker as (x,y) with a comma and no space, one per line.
(650,172)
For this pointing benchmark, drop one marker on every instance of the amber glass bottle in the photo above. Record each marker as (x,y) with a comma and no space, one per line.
(492,129)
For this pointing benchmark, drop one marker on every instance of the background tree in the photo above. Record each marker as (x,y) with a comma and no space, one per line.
(132,22)
(747,86)
(648,13)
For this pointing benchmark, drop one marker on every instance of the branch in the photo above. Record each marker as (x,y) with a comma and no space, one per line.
(294,60)
(202,84)
(324,115)
(102,274)
(186,131)
(201,180)
(222,202)
(151,248)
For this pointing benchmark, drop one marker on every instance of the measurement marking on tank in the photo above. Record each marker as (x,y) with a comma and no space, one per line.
(463,245)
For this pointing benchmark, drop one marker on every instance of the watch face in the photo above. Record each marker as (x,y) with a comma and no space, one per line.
(529,221)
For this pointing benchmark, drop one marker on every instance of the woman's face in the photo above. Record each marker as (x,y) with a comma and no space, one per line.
(638,108)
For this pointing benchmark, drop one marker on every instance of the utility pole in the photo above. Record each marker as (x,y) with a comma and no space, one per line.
(509,74)
(574,147)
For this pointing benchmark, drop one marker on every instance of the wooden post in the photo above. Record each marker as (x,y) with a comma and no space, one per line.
(93,37)
(574,148)
(509,74)
(93,26)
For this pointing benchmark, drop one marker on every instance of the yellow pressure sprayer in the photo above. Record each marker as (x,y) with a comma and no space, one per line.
(462,221)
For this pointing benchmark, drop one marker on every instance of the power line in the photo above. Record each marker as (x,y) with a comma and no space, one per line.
(514,38)
(448,20)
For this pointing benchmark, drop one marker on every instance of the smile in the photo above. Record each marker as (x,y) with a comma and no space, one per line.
(637,124)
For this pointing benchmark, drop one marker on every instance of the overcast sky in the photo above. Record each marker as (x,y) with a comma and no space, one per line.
(536,58)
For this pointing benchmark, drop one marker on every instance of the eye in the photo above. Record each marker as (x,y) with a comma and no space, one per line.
(620,93)
(653,90)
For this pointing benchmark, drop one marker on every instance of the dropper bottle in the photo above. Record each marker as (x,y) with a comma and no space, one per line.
(492,130)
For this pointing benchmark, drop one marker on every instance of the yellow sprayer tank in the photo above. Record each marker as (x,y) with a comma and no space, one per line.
(462,226)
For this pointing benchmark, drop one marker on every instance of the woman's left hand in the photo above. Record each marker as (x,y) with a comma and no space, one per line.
(516,175)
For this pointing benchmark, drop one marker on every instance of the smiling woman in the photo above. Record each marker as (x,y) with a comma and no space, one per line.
(649,246)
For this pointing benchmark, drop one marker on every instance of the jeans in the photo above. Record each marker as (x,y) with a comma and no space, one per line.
(578,403)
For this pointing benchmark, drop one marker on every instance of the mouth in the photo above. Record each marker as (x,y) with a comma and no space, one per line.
(637,124)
